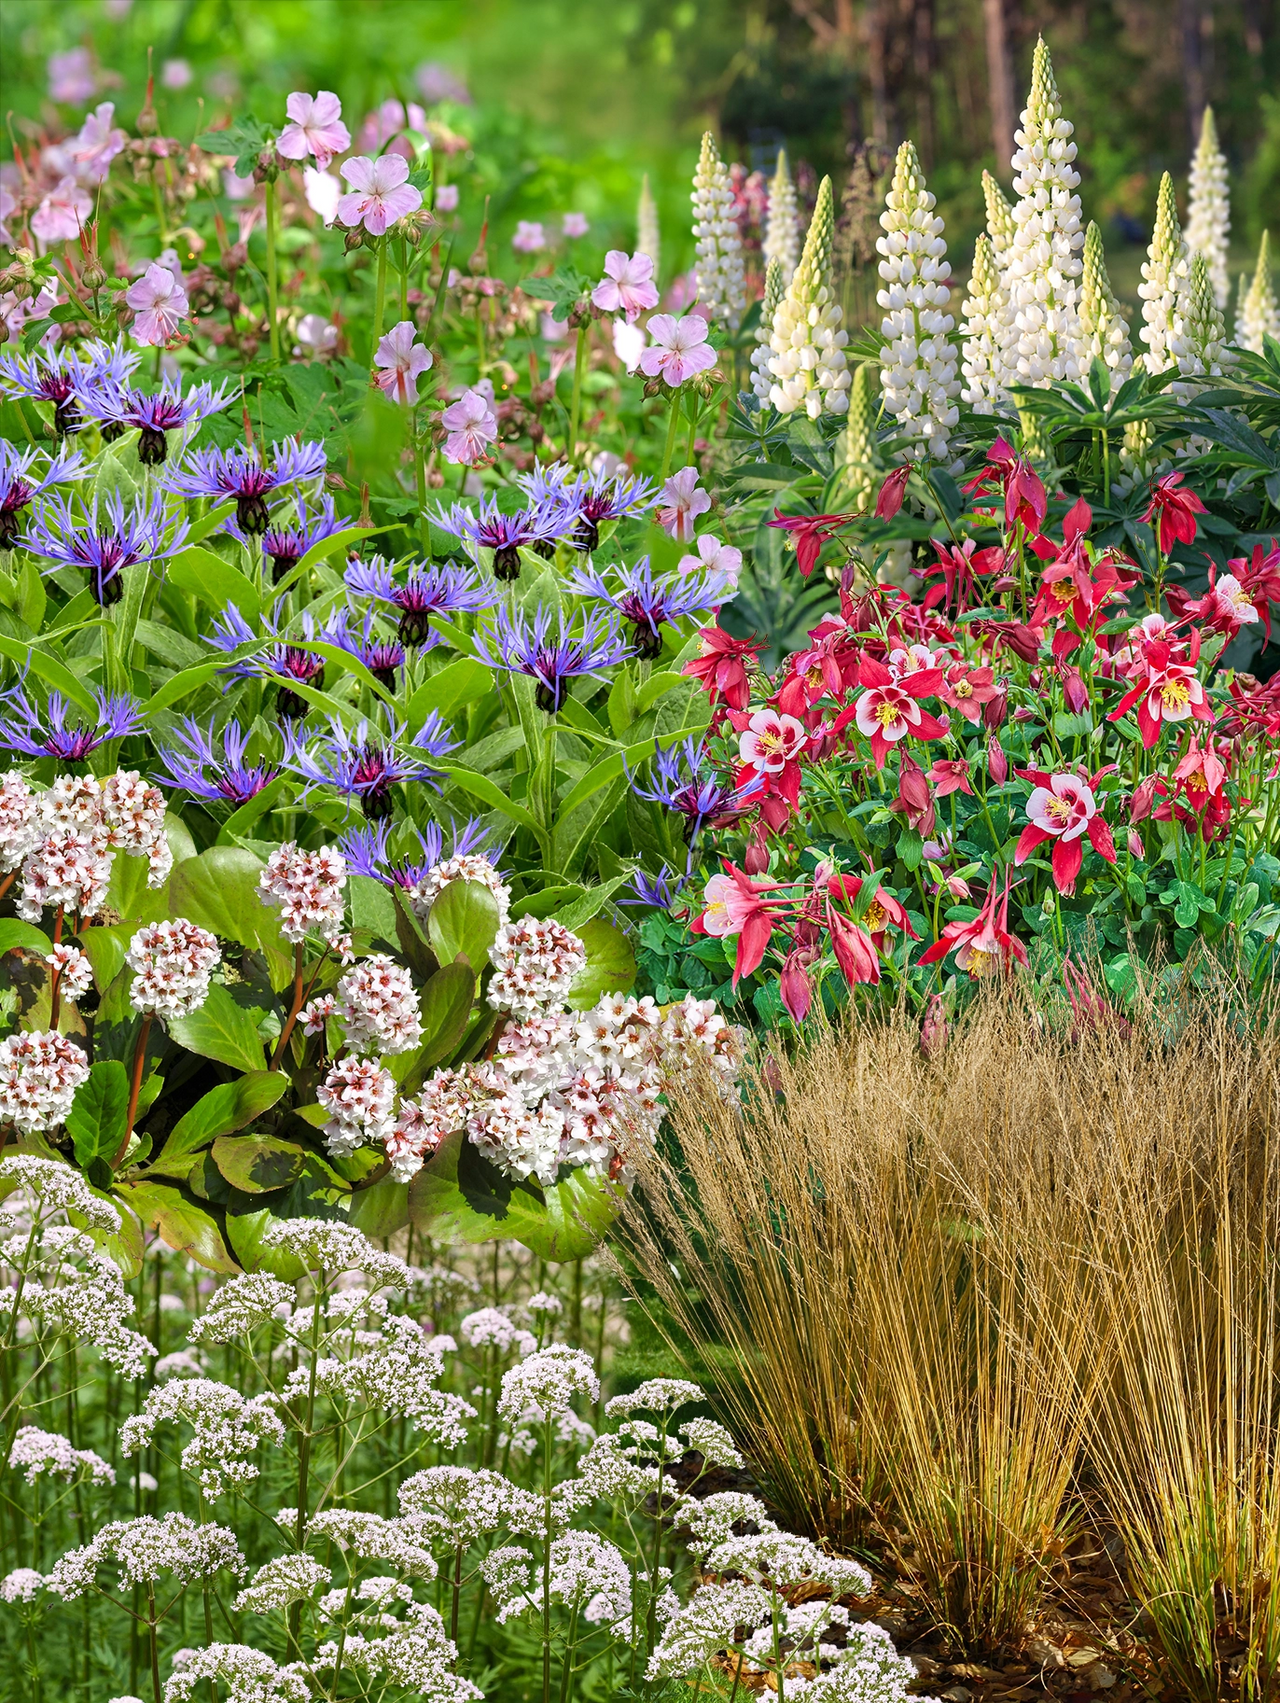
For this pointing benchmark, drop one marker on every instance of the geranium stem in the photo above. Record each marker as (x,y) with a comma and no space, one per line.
(575,406)
(273,328)
(671,435)
(135,1086)
(379,301)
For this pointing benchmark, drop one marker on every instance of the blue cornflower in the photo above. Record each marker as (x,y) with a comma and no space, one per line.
(364,764)
(380,656)
(103,546)
(205,773)
(432,588)
(658,891)
(60,375)
(678,780)
(287,660)
(47,735)
(552,660)
(365,850)
(538,527)
(18,483)
(648,602)
(242,474)
(591,498)
(288,542)
(123,408)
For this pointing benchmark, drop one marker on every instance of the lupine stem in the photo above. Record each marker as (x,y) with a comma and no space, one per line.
(273,328)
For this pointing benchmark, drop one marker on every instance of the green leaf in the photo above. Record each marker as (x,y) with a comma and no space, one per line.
(345,663)
(215,582)
(488,792)
(182,1222)
(97,1119)
(462,922)
(324,548)
(572,1219)
(247,1220)
(225,1109)
(256,1164)
(182,686)
(462,682)
(49,668)
(610,967)
(128,894)
(219,891)
(372,907)
(221,1030)
(105,948)
(252,810)
(576,914)
(26,934)
(446,1007)
(382,1209)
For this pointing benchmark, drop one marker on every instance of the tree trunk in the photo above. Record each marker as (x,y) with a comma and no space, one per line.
(1191,16)
(875,23)
(999,82)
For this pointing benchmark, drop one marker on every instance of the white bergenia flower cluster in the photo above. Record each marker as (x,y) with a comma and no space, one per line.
(39,1075)
(917,363)
(1209,207)
(378,1007)
(66,838)
(72,968)
(359,1097)
(36,1452)
(807,341)
(173,962)
(535,963)
(718,267)
(227,1427)
(308,887)
(466,866)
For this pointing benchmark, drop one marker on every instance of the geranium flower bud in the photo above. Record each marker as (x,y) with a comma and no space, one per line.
(997,762)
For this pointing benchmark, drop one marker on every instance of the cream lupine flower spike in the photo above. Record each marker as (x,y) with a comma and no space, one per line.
(860,479)
(782,227)
(1043,271)
(774,289)
(718,268)
(1001,224)
(917,363)
(1261,316)
(1207,354)
(1209,207)
(647,238)
(1103,328)
(984,322)
(808,360)
(1166,287)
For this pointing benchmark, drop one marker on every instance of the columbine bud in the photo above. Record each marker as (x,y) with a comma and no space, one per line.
(1074,691)
(996,709)
(755,859)
(1136,847)
(1144,799)
(997,762)
(933,1030)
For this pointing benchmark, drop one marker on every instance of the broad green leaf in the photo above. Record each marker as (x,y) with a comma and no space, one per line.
(579,912)
(256,1164)
(184,1224)
(200,529)
(610,967)
(225,1109)
(485,791)
(446,1007)
(372,907)
(345,663)
(549,901)
(382,1209)
(462,924)
(219,891)
(14,933)
(128,894)
(215,582)
(97,1119)
(105,948)
(461,682)
(247,1219)
(572,1219)
(252,810)
(325,548)
(221,1030)
(51,669)
(182,686)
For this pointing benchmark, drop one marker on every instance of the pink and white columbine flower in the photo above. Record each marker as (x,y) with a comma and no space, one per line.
(680,503)
(678,348)
(627,286)
(472,426)
(530,237)
(401,362)
(160,303)
(1167,689)
(713,557)
(380,193)
(317,128)
(61,215)
(1063,808)
(770,741)
(889,708)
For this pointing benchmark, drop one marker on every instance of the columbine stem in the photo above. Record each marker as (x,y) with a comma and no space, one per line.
(273,328)
(671,435)
(379,301)
(575,406)
(135,1087)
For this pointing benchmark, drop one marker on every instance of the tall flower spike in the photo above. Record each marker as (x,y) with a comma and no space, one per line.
(647,238)
(1001,224)
(782,228)
(985,323)
(808,360)
(1104,331)
(917,363)
(721,293)
(1206,332)
(1209,211)
(860,476)
(1166,286)
(774,288)
(1261,316)
(1044,261)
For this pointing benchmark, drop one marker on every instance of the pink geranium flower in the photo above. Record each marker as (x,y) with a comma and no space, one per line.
(530,237)
(71,76)
(575,225)
(680,504)
(401,362)
(714,556)
(61,215)
(379,194)
(160,303)
(472,426)
(317,128)
(323,192)
(98,143)
(627,286)
(679,348)
(447,198)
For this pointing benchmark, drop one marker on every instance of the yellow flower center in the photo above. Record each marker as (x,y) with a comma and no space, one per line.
(886,713)
(1174,694)
(1058,809)
(875,918)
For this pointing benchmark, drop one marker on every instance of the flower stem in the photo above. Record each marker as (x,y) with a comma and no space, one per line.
(135,1087)
(379,301)
(273,328)
(404,278)
(671,435)
(298,997)
(575,407)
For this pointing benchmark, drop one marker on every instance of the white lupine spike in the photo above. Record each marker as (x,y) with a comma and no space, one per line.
(984,322)
(1166,286)
(718,268)
(1044,265)
(1209,207)
(1103,328)
(1242,296)
(647,238)
(860,476)
(1206,334)
(1261,316)
(808,359)
(774,290)
(917,363)
(1001,224)
(782,227)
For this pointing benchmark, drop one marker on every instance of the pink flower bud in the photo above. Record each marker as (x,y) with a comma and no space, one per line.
(1136,847)
(1144,799)
(996,709)
(933,1030)
(1074,691)
(755,860)
(997,762)
(913,788)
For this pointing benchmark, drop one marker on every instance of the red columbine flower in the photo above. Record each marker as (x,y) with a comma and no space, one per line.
(738,905)
(721,669)
(958,564)
(983,945)
(951,774)
(889,709)
(1168,691)
(1063,808)
(891,493)
(809,532)
(1225,607)
(883,910)
(1201,775)
(1176,511)
(968,690)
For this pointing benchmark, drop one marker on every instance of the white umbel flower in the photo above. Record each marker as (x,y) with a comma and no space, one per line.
(782,224)
(917,363)
(647,237)
(1260,317)
(1209,211)
(1104,331)
(774,289)
(718,268)
(1045,259)
(985,323)
(808,360)
(1166,286)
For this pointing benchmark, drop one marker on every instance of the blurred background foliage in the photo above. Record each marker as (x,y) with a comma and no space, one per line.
(570,101)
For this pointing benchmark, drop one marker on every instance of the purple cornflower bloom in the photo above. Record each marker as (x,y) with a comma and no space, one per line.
(365,765)
(538,527)
(200,770)
(592,498)
(432,588)
(60,375)
(49,736)
(287,660)
(104,548)
(286,543)
(242,474)
(678,781)
(658,891)
(123,408)
(648,602)
(552,660)
(365,850)
(18,484)
(380,656)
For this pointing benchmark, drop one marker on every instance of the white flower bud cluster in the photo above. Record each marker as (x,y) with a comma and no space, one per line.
(782,221)
(466,866)
(57,1187)
(453,1504)
(535,963)
(323,1245)
(1209,207)
(36,1452)
(72,968)
(284,1580)
(359,1097)
(985,321)
(173,962)
(378,1007)
(241,1305)
(1044,261)
(71,1288)
(808,362)
(371,1537)
(1166,287)
(66,838)
(134,816)
(65,869)
(308,888)
(718,266)
(774,290)
(1207,354)
(17,820)
(39,1075)
(548,1380)
(491,1327)
(227,1427)
(24,1584)
(917,362)
(144,1550)
(1104,331)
